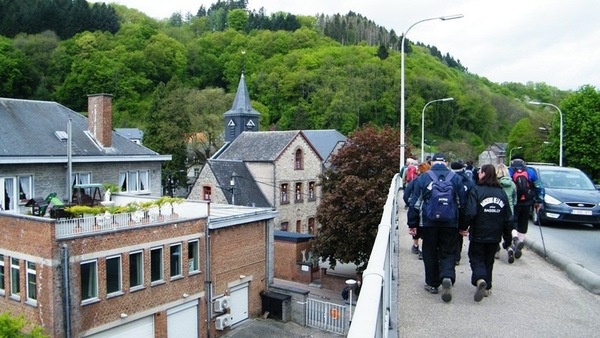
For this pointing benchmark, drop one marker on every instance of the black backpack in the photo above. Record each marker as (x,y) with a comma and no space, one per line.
(524,187)
(441,205)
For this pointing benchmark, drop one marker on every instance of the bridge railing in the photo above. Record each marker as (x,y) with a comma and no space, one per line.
(374,308)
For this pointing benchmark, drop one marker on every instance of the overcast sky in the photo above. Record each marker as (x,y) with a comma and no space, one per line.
(551,41)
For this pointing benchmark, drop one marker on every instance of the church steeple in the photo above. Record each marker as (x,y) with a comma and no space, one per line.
(241,117)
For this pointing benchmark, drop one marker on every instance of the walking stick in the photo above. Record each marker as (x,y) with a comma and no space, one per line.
(541,234)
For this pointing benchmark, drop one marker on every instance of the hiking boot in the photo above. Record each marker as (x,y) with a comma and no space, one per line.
(518,247)
(421,255)
(479,294)
(415,249)
(447,289)
(511,254)
(431,289)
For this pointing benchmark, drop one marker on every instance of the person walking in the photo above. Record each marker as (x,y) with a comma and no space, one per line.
(530,192)
(421,168)
(468,184)
(489,216)
(511,239)
(442,194)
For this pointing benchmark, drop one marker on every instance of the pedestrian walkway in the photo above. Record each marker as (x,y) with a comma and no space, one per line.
(530,298)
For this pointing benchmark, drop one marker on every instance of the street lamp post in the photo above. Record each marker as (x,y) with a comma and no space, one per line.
(510,154)
(560,151)
(423,125)
(402,145)
(350,283)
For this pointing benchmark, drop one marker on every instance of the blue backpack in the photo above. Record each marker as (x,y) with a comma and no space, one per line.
(441,205)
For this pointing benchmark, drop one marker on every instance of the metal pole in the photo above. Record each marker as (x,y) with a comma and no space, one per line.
(423,125)
(510,154)
(560,151)
(402,113)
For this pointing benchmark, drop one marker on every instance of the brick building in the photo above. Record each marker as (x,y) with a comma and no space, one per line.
(166,278)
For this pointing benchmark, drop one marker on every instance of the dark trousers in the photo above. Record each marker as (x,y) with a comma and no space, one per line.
(439,254)
(481,257)
(522,217)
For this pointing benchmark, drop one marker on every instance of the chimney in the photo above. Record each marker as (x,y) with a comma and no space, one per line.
(100,118)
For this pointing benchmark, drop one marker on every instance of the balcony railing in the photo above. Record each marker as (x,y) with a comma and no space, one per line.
(104,223)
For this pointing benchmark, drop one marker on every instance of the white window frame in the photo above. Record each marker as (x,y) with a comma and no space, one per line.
(119,276)
(175,257)
(135,181)
(31,283)
(82,178)
(193,256)
(2,276)
(161,266)
(15,279)
(139,271)
(25,184)
(8,186)
(93,296)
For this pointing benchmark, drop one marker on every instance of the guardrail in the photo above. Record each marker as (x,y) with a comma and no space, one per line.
(374,307)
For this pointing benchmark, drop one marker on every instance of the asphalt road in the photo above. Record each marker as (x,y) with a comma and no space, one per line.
(581,243)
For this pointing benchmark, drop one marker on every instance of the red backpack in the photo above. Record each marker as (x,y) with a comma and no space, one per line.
(411,173)
(521,178)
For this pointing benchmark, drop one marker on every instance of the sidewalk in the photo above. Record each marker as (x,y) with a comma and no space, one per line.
(530,298)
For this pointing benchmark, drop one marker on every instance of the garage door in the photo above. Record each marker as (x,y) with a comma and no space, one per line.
(142,328)
(182,321)
(239,303)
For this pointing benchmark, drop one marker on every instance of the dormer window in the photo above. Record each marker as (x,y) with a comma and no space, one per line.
(299,161)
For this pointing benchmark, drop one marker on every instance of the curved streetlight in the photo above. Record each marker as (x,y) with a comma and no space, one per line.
(402,145)
(423,124)
(560,156)
(510,154)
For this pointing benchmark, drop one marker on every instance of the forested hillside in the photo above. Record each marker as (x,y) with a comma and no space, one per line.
(302,72)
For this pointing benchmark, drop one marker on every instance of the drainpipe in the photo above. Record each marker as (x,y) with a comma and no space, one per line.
(69,162)
(67,294)
(208,283)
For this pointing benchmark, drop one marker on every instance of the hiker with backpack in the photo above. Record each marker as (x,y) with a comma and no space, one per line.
(442,194)
(530,192)
(488,216)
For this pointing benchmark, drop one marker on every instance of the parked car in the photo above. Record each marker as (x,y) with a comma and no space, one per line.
(570,196)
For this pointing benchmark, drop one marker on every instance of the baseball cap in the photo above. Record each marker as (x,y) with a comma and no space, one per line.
(438,157)
(517,157)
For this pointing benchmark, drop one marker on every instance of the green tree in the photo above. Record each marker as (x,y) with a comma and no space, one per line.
(525,135)
(354,195)
(237,19)
(16,327)
(16,73)
(581,127)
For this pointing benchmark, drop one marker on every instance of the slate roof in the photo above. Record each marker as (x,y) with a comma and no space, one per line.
(27,130)
(258,146)
(241,102)
(247,192)
(324,141)
(130,133)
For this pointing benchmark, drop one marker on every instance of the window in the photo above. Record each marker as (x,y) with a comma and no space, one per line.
(298,162)
(175,259)
(113,274)
(298,194)
(134,181)
(311,226)
(25,188)
(136,269)
(31,282)
(83,178)
(8,194)
(284,226)
(299,226)
(196,172)
(284,193)
(156,264)
(89,280)
(193,257)
(2,286)
(15,278)
(311,191)
(207,193)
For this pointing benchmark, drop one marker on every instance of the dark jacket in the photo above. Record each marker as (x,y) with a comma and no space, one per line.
(468,185)
(422,189)
(488,213)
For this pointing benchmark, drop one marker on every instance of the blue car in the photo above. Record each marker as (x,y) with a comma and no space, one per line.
(571,197)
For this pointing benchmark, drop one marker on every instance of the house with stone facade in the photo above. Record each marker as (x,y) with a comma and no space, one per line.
(47,148)
(277,169)
(195,272)
(494,154)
